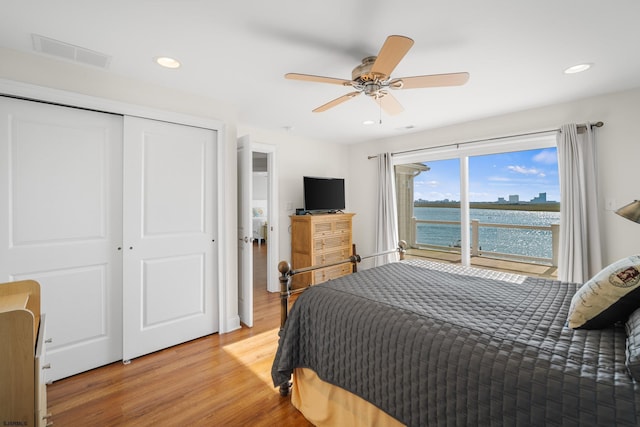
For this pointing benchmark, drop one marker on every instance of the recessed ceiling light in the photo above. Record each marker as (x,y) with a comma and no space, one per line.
(167,62)
(577,68)
(368,122)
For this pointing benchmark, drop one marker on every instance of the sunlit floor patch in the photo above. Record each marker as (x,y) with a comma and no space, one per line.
(256,353)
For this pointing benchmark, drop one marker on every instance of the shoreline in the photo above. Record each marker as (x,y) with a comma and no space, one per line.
(535,207)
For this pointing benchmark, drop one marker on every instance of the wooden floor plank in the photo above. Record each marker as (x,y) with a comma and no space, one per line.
(212,381)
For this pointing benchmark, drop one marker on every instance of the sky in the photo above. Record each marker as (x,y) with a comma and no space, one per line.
(525,173)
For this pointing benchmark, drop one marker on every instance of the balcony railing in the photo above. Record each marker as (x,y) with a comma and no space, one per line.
(476,244)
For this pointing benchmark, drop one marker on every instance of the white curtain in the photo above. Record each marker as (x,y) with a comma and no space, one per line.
(579,255)
(387,211)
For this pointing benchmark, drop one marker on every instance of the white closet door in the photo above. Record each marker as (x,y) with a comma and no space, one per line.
(170,286)
(61,224)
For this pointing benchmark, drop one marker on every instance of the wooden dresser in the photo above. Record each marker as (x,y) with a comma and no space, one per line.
(23,393)
(320,239)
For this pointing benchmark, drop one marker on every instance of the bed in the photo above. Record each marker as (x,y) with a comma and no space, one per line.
(425,343)
(259,220)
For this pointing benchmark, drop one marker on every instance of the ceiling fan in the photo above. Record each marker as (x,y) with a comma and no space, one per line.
(373,77)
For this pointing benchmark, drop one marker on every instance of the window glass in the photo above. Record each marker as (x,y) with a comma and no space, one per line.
(519,189)
(435,206)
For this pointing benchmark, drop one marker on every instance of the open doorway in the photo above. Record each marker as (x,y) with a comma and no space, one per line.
(259,219)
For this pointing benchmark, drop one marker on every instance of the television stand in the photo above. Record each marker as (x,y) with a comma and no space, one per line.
(317,240)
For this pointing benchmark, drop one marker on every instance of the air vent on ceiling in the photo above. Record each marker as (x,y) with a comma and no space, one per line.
(68,51)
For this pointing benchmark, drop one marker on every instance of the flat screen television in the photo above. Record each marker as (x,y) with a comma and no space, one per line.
(323,194)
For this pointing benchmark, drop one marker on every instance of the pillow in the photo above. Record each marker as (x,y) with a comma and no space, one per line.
(633,344)
(608,297)
(258,212)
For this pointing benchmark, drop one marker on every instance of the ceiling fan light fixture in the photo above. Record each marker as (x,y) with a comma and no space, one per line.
(372,77)
(368,122)
(579,68)
(167,62)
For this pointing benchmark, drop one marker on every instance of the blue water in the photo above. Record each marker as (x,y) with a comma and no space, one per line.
(536,243)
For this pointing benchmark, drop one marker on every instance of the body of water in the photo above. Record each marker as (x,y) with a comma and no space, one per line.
(536,243)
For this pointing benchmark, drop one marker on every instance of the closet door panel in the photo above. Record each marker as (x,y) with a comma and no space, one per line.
(170,289)
(61,224)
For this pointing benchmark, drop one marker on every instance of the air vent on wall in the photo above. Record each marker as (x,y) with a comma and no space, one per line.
(68,51)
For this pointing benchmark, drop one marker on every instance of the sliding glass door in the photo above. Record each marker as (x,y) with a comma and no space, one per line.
(498,199)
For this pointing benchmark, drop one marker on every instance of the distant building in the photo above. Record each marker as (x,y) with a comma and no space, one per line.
(501,200)
(514,198)
(542,198)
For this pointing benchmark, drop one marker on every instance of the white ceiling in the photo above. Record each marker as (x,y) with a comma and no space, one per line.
(238,51)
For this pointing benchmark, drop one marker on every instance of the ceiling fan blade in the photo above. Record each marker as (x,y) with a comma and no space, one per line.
(390,55)
(433,80)
(335,102)
(389,104)
(317,79)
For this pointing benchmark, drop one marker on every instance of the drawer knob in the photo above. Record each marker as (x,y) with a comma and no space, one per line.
(48,340)
(47,366)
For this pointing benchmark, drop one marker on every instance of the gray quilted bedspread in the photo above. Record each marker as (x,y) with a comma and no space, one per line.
(432,347)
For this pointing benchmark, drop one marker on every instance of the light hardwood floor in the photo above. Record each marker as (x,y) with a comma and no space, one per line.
(217,380)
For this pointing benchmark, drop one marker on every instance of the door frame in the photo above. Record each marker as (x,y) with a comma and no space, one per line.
(273,253)
(228,314)
(245,263)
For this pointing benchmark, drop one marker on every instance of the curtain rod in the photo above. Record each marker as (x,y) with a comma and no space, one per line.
(579,126)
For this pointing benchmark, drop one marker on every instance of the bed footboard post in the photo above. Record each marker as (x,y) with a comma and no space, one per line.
(402,245)
(285,289)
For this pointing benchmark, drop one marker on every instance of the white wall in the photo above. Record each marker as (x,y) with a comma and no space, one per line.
(618,151)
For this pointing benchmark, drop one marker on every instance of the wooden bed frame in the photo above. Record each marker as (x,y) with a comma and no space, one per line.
(286,273)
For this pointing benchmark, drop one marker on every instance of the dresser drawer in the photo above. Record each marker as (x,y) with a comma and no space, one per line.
(325,228)
(332,256)
(322,228)
(332,242)
(329,273)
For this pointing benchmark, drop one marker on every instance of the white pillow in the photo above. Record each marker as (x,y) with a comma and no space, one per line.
(608,297)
